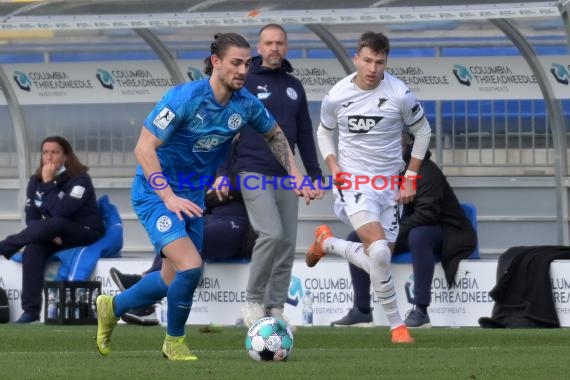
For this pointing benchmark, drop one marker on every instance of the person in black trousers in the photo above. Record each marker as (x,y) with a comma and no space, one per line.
(61,212)
(433,224)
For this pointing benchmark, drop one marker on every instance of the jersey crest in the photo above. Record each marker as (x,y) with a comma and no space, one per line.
(234,122)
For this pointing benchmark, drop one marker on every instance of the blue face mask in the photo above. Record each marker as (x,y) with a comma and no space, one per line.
(62,169)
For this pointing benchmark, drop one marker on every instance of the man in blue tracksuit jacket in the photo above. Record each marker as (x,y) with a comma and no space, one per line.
(273,210)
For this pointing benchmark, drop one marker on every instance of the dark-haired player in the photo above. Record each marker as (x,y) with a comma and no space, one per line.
(370,109)
(183,140)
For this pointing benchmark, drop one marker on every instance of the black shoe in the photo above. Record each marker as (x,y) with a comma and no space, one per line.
(28,318)
(123,281)
(355,318)
(145,316)
(417,318)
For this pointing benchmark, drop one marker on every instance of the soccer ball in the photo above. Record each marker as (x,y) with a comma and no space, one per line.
(269,339)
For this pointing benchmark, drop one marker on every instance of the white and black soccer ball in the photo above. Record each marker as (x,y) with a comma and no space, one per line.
(269,339)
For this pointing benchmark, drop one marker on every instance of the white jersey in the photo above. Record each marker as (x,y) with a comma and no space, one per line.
(370,124)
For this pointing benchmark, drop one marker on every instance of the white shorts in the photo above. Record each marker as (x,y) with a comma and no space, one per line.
(371,206)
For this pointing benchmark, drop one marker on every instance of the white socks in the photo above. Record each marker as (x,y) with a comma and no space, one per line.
(382,282)
(353,252)
(377,264)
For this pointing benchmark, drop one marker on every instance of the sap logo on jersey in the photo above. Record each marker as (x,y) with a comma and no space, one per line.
(207,143)
(362,124)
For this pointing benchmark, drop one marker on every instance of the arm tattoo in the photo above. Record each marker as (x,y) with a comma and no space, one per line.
(280,148)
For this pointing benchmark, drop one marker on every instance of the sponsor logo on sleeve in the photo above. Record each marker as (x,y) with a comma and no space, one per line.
(164,118)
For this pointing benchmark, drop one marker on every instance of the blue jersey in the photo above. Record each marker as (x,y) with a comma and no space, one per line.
(196,131)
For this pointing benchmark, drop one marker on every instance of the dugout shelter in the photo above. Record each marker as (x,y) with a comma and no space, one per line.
(494,78)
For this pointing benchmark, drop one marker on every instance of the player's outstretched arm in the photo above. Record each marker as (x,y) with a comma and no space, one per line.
(282,151)
(422,132)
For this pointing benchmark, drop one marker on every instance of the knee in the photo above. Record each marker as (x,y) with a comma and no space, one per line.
(380,254)
(353,237)
(272,237)
(50,225)
(33,255)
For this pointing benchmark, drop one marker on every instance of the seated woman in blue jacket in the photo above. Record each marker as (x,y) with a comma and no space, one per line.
(61,212)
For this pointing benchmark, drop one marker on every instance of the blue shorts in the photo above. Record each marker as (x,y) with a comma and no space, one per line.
(161,224)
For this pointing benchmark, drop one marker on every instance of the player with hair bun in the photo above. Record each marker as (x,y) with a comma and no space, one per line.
(188,132)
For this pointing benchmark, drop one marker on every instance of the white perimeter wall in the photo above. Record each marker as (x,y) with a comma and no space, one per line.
(222,291)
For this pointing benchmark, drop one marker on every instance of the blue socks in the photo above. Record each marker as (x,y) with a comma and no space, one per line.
(150,289)
(180,296)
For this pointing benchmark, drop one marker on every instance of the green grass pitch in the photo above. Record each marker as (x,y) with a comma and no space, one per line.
(45,352)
